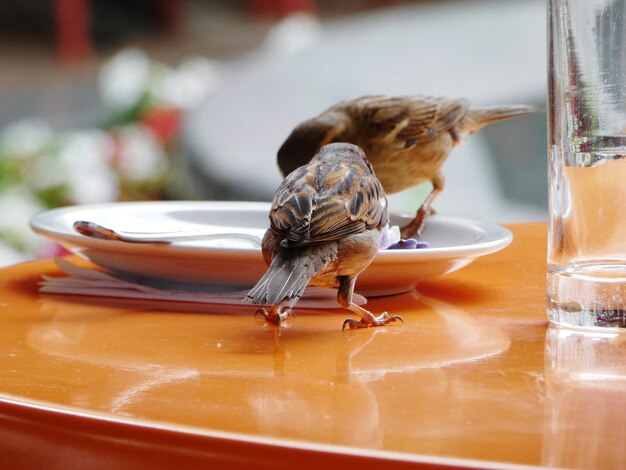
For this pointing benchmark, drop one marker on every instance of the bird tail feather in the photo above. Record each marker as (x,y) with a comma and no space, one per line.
(286,278)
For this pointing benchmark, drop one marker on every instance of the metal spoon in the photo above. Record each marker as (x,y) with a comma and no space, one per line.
(94,230)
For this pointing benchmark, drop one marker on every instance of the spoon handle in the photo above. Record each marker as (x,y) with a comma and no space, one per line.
(94,230)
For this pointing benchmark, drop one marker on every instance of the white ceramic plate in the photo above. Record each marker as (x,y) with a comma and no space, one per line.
(454,243)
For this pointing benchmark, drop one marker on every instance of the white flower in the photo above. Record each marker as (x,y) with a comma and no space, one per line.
(17,206)
(86,158)
(46,171)
(94,188)
(26,138)
(140,155)
(188,85)
(124,78)
(130,73)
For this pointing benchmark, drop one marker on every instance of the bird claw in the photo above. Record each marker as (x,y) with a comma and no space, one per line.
(261,312)
(275,315)
(414,228)
(371,320)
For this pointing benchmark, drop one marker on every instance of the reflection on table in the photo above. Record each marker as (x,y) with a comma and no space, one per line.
(473,378)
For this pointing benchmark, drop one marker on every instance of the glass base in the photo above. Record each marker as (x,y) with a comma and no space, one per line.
(587,295)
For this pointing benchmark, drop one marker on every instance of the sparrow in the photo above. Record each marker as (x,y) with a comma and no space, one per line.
(407,139)
(326,223)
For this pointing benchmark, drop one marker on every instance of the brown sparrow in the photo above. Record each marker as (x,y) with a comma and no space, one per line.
(326,224)
(407,139)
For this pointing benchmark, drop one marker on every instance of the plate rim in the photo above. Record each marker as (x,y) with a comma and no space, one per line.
(497,237)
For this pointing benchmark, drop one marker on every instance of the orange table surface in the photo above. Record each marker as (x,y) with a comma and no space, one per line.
(474,378)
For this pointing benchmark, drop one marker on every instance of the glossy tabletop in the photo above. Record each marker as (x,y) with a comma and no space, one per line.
(474,378)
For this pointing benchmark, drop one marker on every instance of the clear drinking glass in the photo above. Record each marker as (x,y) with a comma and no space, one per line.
(586,278)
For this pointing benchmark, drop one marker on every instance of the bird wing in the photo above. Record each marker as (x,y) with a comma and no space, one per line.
(324,202)
(405,121)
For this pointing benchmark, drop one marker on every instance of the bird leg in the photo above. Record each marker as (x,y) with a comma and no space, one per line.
(277,313)
(344,296)
(415,226)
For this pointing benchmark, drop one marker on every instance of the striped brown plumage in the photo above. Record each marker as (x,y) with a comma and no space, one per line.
(407,139)
(326,223)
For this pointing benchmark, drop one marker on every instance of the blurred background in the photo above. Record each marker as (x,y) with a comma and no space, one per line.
(118,100)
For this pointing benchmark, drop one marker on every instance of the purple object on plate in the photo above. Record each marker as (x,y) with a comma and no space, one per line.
(409,244)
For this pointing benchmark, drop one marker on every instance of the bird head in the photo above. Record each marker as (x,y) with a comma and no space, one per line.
(343,152)
(306,139)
